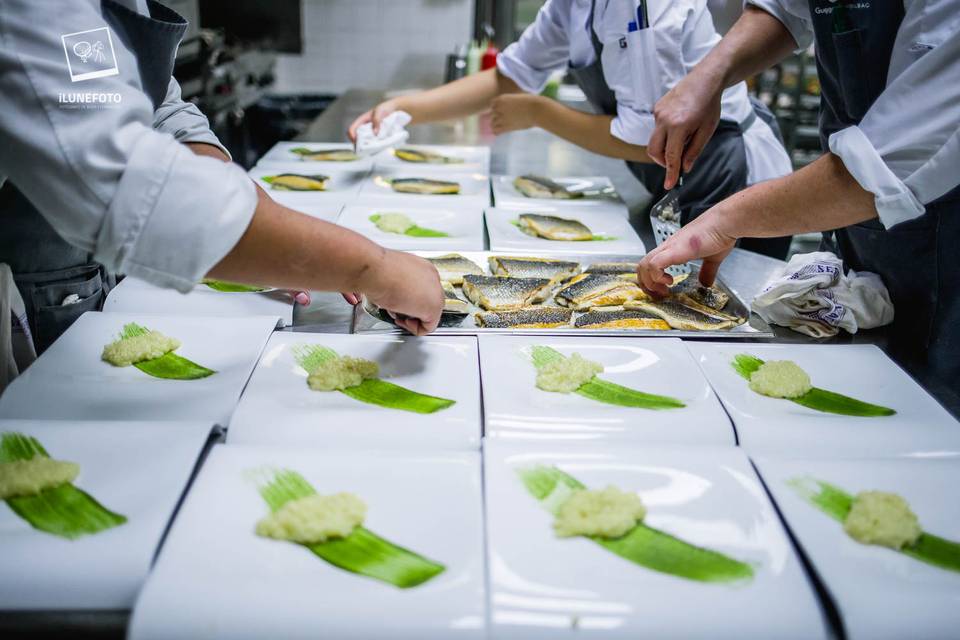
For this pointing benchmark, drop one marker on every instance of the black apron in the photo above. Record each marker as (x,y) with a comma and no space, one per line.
(46,268)
(915,259)
(719,172)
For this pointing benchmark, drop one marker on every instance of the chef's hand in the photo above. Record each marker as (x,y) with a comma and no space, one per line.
(703,238)
(513,112)
(408,288)
(374,116)
(685,119)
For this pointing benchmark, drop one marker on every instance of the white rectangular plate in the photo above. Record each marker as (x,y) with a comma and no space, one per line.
(342,187)
(603,196)
(474,188)
(475,159)
(506,236)
(136,469)
(514,408)
(136,296)
(281,153)
(864,372)
(542,586)
(278,407)
(217,579)
(464,225)
(71,382)
(880,593)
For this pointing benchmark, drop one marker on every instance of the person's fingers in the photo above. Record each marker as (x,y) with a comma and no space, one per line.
(695,147)
(302,298)
(377,118)
(672,156)
(656,146)
(708,272)
(360,121)
(352,298)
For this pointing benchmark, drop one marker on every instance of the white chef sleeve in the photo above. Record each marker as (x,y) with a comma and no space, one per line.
(795,16)
(907,148)
(183,120)
(138,200)
(544,47)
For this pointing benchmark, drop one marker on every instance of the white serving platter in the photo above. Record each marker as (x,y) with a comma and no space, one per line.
(542,586)
(281,153)
(70,381)
(343,186)
(864,372)
(464,225)
(278,408)
(474,188)
(216,579)
(475,159)
(880,593)
(137,296)
(515,409)
(506,236)
(136,469)
(600,191)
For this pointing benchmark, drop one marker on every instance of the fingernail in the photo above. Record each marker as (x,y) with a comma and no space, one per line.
(302,298)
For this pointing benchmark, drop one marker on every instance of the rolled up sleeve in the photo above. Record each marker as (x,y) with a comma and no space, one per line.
(107,182)
(795,16)
(544,47)
(183,120)
(906,149)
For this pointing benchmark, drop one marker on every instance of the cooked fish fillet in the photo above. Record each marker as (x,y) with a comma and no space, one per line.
(613,268)
(325,155)
(554,228)
(425,186)
(453,267)
(525,318)
(425,157)
(620,318)
(595,290)
(711,297)
(520,267)
(452,302)
(498,293)
(297,182)
(680,316)
(539,187)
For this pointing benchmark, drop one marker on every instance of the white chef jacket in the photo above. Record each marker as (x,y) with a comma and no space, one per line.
(114,180)
(906,149)
(681,33)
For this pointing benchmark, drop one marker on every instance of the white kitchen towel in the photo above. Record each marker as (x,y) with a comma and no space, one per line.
(392,132)
(813,296)
(16,344)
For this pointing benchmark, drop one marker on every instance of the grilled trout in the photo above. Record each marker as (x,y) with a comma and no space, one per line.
(425,157)
(518,267)
(620,318)
(711,297)
(425,186)
(525,318)
(325,155)
(554,228)
(595,290)
(453,267)
(452,302)
(680,316)
(539,187)
(497,293)
(297,182)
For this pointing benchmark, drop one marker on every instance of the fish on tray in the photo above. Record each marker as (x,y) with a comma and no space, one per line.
(498,293)
(596,290)
(452,302)
(620,318)
(424,186)
(522,267)
(681,316)
(453,266)
(537,317)
(554,228)
(692,290)
(424,157)
(297,182)
(624,270)
(325,155)
(533,186)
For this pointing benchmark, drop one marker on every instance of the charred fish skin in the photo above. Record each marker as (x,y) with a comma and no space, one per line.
(453,266)
(419,156)
(620,318)
(297,182)
(325,155)
(498,293)
(680,316)
(525,318)
(424,186)
(533,186)
(711,297)
(613,268)
(554,228)
(523,267)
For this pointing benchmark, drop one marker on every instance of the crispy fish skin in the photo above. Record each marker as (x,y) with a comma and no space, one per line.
(596,290)
(613,268)
(554,228)
(425,186)
(688,301)
(498,293)
(711,297)
(680,316)
(539,187)
(297,182)
(620,318)
(453,266)
(325,155)
(424,157)
(522,267)
(525,318)
(451,301)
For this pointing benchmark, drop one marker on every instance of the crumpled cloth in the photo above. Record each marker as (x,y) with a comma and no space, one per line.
(813,296)
(16,343)
(392,132)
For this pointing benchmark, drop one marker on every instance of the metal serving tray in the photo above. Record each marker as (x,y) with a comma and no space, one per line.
(369,319)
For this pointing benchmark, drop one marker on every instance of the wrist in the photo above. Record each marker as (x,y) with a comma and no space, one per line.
(373,272)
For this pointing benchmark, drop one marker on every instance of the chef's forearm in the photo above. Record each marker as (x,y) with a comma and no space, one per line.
(586,130)
(457,99)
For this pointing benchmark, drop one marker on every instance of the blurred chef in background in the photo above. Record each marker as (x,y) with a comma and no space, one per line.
(107,170)
(624,56)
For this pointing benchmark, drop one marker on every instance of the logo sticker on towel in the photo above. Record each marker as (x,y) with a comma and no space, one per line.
(90,54)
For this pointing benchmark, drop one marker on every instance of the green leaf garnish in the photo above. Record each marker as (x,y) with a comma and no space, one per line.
(169,366)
